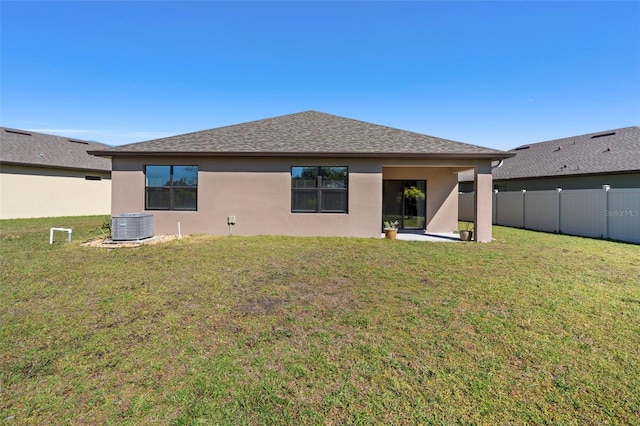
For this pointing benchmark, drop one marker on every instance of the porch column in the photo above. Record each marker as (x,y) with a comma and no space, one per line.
(483,189)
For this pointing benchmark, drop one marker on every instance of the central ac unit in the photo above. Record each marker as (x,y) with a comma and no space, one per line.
(131,227)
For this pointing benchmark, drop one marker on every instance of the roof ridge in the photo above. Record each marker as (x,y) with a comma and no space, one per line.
(306,112)
(36,149)
(50,135)
(397,129)
(578,136)
(308,131)
(605,151)
(226,126)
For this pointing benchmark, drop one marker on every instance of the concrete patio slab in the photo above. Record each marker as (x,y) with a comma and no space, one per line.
(440,237)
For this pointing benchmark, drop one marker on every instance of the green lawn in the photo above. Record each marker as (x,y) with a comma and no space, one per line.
(531,329)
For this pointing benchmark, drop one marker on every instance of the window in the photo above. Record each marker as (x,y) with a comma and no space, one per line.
(319,189)
(171,188)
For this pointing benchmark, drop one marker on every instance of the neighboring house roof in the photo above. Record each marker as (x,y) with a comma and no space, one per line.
(611,151)
(24,147)
(305,133)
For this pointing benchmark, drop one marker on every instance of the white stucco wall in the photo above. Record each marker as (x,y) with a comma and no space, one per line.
(27,192)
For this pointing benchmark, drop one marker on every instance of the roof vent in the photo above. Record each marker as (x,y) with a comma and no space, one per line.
(77,141)
(558,149)
(602,135)
(17,132)
(520,148)
(41,155)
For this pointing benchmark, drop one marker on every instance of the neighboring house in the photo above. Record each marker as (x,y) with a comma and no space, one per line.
(46,176)
(308,173)
(580,162)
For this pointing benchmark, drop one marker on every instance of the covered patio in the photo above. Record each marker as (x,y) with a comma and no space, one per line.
(422,196)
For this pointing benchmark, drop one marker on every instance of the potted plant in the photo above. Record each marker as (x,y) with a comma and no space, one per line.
(391,229)
(466,234)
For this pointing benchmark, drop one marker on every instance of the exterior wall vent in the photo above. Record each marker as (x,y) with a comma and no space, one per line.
(131,227)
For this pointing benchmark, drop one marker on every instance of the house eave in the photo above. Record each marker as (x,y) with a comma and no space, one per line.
(398,155)
(49,166)
(573,175)
(567,175)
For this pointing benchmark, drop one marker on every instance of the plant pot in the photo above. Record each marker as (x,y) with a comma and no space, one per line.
(466,235)
(390,234)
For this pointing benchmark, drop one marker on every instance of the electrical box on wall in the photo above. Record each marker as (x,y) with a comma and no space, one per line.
(231,220)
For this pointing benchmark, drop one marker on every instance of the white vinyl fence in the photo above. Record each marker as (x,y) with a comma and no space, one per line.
(600,213)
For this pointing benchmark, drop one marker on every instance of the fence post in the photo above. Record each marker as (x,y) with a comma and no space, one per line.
(524,191)
(559,217)
(494,200)
(605,230)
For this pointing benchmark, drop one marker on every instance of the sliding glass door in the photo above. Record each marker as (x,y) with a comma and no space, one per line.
(405,201)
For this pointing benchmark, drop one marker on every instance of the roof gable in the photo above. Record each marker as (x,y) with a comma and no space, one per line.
(38,149)
(304,133)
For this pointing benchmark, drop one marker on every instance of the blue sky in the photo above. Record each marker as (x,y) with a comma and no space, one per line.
(497,74)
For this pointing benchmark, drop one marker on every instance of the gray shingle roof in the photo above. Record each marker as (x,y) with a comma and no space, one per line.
(38,149)
(611,151)
(309,133)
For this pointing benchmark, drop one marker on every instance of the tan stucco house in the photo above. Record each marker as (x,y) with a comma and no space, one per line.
(45,175)
(305,174)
